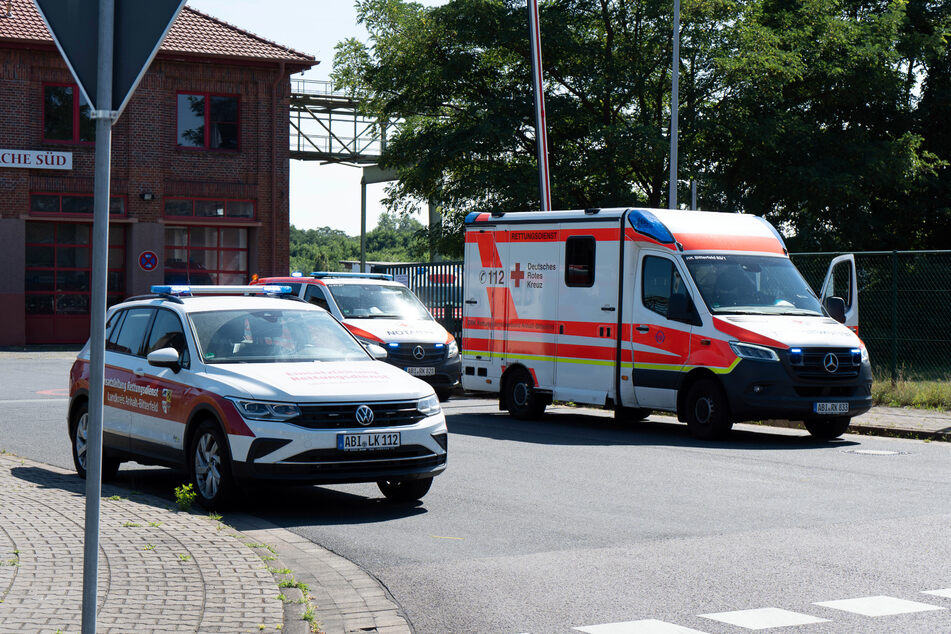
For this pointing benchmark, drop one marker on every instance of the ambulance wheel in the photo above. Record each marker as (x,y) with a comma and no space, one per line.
(707,414)
(80,438)
(827,428)
(519,396)
(209,465)
(405,490)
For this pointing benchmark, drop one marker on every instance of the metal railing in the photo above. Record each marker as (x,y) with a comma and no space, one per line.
(438,285)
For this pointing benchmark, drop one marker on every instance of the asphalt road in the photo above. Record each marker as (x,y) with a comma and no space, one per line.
(580,522)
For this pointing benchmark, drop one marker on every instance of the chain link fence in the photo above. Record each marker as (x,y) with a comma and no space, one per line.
(904,309)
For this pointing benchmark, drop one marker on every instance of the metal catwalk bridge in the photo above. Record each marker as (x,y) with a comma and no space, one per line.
(326,126)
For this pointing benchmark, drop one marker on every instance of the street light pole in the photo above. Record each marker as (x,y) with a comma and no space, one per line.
(674,106)
(541,136)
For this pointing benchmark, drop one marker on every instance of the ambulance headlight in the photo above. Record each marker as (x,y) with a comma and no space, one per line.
(452,349)
(428,406)
(263,410)
(753,352)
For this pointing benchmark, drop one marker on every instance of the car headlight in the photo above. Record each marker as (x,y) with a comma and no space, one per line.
(452,349)
(754,352)
(428,405)
(264,410)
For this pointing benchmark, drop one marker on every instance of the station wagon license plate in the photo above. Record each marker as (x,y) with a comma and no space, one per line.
(366,442)
(830,408)
(421,371)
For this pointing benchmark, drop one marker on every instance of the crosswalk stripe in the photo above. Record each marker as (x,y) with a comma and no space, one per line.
(879,606)
(764,618)
(646,626)
(939,593)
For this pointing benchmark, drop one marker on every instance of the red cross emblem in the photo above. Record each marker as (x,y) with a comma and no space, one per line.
(518,274)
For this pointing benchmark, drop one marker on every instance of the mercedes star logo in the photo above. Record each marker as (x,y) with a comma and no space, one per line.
(364,415)
(830,363)
(419,353)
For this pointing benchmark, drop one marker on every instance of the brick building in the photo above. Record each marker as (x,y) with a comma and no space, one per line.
(199,171)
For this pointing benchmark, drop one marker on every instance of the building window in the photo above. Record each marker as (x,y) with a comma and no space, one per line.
(66,115)
(59,264)
(206,255)
(579,261)
(208,121)
(208,208)
(80,204)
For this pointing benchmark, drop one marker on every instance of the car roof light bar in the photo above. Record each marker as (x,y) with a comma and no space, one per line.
(646,223)
(366,276)
(220,289)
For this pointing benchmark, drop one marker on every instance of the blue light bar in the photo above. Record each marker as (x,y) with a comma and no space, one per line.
(646,223)
(297,274)
(221,289)
(367,276)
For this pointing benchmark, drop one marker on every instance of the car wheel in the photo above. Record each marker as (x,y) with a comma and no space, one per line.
(80,426)
(405,490)
(519,396)
(443,393)
(827,428)
(707,414)
(209,466)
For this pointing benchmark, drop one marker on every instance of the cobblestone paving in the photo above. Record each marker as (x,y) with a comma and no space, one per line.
(159,570)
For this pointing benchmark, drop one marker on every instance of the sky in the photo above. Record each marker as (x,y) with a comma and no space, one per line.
(320,195)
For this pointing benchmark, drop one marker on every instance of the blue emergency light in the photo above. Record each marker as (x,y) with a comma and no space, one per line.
(795,356)
(212,289)
(646,223)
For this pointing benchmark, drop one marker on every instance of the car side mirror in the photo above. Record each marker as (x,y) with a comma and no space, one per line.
(836,308)
(377,352)
(680,308)
(165,358)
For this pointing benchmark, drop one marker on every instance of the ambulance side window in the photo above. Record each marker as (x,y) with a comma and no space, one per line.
(579,261)
(315,296)
(660,281)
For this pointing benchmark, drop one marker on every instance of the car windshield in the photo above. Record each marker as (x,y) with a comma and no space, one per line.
(273,336)
(376,301)
(752,285)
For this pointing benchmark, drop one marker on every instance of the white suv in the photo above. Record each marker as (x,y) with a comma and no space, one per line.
(235,388)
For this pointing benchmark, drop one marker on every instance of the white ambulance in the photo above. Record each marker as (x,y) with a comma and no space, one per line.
(636,310)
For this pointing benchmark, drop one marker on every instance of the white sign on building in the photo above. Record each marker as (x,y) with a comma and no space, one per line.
(36,159)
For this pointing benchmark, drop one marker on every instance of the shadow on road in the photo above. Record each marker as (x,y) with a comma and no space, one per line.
(571,428)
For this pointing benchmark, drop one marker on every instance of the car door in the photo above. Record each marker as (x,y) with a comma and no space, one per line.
(120,401)
(842,281)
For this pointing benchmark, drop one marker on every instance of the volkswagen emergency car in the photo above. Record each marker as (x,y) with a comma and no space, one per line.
(378,310)
(238,388)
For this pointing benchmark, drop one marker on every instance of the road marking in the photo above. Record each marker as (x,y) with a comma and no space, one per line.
(444,537)
(764,618)
(879,606)
(939,593)
(647,626)
(21,401)
(59,391)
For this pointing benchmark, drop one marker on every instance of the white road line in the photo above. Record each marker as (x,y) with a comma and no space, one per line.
(764,618)
(21,401)
(939,593)
(879,606)
(647,626)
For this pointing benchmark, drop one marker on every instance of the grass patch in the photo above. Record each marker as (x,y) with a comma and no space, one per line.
(131,524)
(934,395)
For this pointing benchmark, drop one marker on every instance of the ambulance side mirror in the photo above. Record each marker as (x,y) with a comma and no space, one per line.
(681,309)
(836,308)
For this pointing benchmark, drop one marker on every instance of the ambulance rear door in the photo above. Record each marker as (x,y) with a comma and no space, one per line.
(483,330)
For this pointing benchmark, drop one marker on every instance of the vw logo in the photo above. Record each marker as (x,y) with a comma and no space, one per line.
(364,415)
(830,363)
(419,353)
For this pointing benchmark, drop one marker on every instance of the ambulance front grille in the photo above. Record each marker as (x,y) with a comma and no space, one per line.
(406,354)
(813,364)
(343,415)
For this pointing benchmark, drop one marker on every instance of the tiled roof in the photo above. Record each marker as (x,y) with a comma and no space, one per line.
(193,33)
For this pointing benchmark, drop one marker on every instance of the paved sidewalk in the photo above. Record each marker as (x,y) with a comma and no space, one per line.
(165,571)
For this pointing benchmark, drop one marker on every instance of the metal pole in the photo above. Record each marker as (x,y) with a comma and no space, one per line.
(674,106)
(97,313)
(693,194)
(541,135)
(363,225)
(894,359)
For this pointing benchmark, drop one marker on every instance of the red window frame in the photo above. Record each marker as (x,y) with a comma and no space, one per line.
(76,103)
(60,214)
(226,201)
(215,273)
(207,124)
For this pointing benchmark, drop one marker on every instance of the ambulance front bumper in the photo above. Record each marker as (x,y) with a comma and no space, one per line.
(762,390)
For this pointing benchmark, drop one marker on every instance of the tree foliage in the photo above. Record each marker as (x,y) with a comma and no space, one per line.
(822,115)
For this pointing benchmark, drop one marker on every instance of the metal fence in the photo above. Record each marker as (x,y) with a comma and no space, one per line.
(904,309)
(904,305)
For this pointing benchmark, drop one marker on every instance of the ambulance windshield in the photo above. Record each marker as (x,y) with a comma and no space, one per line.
(752,285)
(377,301)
